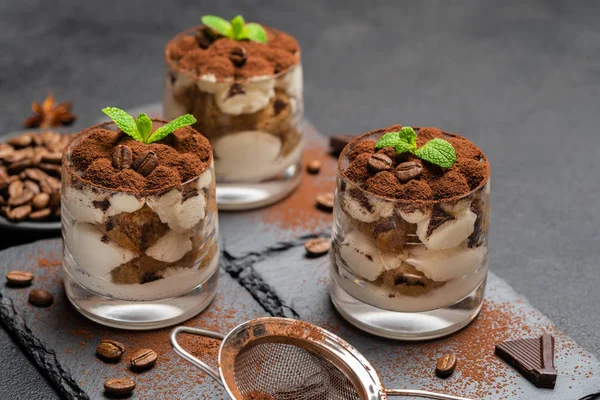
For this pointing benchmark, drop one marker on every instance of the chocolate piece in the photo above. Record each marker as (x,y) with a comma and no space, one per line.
(445,365)
(409,170)
(533,358)
(379,162)
(338,142)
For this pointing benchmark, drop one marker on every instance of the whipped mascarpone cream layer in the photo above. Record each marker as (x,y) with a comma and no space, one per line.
(173,282)
(236,151)
(256,94)
(443,255)
(99,257)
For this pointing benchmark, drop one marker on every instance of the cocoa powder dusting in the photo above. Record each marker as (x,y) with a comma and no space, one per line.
(211,54)
(473,346)
(433,183)
(180,156)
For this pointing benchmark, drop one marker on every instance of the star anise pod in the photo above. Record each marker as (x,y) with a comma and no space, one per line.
(48,114)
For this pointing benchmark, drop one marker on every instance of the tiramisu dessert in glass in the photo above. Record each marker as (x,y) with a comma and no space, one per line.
(139,221)
(411,218)
(243,83)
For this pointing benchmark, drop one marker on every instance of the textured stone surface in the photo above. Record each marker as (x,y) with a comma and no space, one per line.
(519,78)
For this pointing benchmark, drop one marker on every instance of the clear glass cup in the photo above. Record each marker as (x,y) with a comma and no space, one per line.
(139,261)
(394,276)
(254,126)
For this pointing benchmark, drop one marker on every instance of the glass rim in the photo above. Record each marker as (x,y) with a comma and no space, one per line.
(173,66)
(67,169)
(342,175)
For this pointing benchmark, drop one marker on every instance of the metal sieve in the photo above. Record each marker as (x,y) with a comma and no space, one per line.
(292,360)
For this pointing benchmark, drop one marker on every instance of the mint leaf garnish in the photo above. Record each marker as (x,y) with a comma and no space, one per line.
(165,130)
(388,140)
(124,121)
(254,32)
(437,151)
(404,141)
(144,125)
(237,24)
(218,24)
(236,29)
(408,134)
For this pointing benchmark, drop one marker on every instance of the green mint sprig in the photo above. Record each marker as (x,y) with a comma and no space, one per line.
(236,29)
(141,128)
(436,151)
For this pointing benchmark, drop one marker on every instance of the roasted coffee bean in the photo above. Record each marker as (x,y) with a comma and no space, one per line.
(325,201)
(19,278)
(40,201)
(52,158)
(40,215)
(238,56)
(32,186)
(19,213)
(143,359)
(122,157)
(16,188)
(24,197)
(35,174)
(17,166)
(313,167)
(6,150)
(50,168)
(110,350)
(23,140)
(409,170)
(119,386)
(338,142)
(380,162)
(41,298)
(317,247)
(145,163)
(54,200)
(445,365)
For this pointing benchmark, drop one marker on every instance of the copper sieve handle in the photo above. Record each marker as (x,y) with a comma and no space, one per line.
(189,357)
(422,394)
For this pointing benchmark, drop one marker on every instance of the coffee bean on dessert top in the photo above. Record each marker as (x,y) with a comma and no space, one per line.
(380,162)
(41,298)
(238,56)
(409,170)
(19,278)
(110,350)
(145,163)
(445,365)
(122,157)
(143,359)
(313,166)
(317,246)
(325,201)
(119,386)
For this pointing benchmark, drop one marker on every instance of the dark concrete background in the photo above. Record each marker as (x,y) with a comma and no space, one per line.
(520,78)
